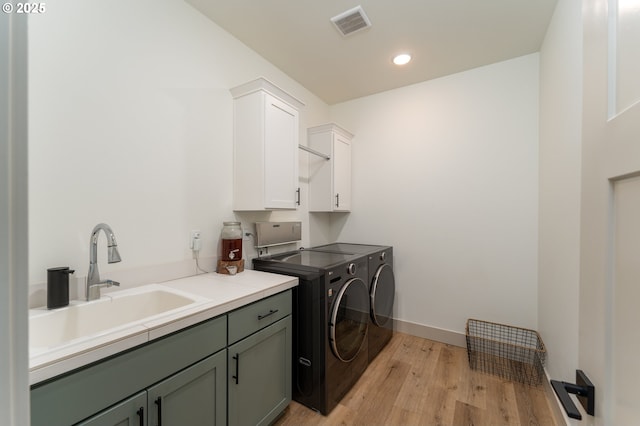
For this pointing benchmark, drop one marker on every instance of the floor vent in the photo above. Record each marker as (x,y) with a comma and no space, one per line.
(351,21)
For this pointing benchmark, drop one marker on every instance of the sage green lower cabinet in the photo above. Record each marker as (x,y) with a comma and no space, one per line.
(82,394)
(196,396)
(259,363)
(260,375)
(127,413)
(234,369)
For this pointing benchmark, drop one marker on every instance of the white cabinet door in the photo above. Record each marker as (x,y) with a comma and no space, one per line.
(330,181)
(342,173)
(281,155)
(265,143)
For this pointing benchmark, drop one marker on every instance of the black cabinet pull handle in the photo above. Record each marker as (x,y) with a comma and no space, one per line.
(337,200)
(271,312)
(140,414)
(237,376)
(158,402)
(298,196)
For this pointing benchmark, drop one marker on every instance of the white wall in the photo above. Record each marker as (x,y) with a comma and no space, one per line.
(131,124)
(560,186)
(446,171)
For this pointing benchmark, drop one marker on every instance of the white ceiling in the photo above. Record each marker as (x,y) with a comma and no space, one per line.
(444,37)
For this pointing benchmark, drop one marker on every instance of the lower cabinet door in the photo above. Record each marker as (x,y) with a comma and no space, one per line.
(195,396)
(259,371)
(130,412)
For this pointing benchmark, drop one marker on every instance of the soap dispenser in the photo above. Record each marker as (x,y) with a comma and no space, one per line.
(58,287)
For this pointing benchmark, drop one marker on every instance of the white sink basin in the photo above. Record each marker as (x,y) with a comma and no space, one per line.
(114,311)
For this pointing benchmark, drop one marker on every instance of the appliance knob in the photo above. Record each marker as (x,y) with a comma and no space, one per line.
(351,269)
(383,255)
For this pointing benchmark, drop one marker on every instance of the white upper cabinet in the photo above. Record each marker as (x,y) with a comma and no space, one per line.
(265,157)
(330,180)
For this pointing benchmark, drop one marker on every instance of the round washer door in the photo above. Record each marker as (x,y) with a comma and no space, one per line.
(383,288)
(349,320)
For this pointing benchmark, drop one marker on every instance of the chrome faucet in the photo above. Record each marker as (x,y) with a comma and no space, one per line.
(94,283)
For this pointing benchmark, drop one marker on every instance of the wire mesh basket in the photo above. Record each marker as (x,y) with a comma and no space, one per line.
(512,353)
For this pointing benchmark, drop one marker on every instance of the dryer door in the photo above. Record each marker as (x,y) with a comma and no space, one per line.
(349,320)
(383,288)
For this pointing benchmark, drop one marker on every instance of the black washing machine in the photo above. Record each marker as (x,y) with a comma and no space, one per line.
(381,289)
(330,322)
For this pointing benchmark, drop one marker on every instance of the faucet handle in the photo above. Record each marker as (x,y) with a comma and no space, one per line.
(105,283)
(109,283)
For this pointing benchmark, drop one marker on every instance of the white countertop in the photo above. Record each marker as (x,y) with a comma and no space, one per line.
(215,294)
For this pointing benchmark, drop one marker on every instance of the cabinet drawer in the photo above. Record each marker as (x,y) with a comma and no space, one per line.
(251,318)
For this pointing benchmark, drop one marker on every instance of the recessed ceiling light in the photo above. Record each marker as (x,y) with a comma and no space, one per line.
(402,59)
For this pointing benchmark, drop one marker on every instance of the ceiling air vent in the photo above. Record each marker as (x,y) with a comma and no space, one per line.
(351,21)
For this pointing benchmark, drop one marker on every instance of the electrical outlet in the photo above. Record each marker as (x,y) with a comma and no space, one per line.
(195,234)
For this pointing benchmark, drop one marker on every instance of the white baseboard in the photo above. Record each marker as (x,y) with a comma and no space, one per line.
(432,333)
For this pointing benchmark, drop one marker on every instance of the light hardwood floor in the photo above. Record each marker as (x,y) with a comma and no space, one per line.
(416,381)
